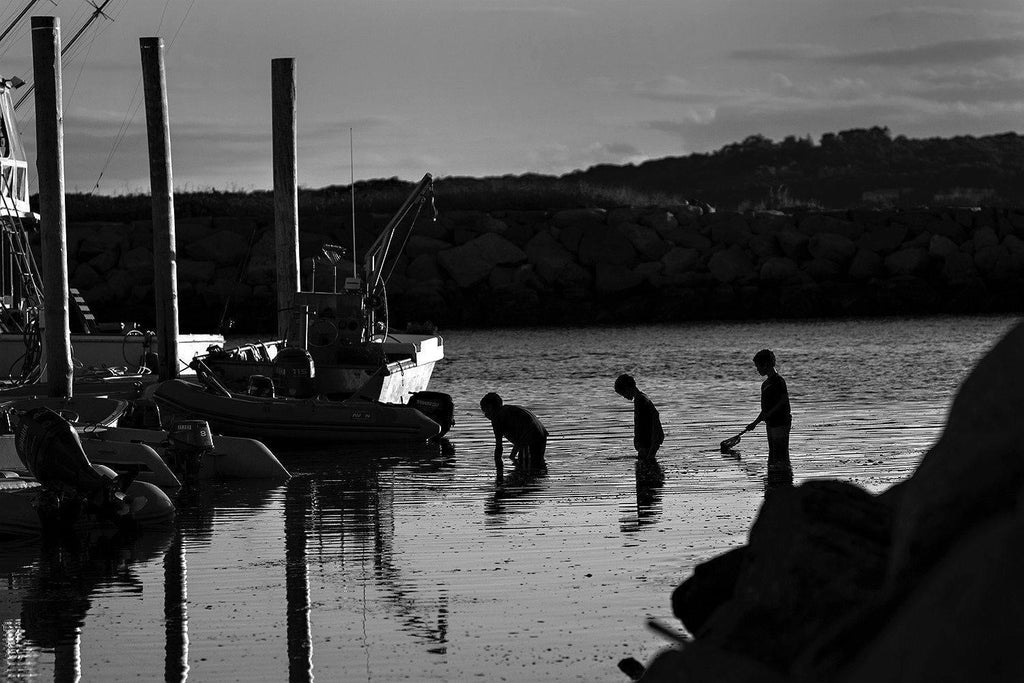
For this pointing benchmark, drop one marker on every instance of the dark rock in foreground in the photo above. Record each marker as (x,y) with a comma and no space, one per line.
(919,583)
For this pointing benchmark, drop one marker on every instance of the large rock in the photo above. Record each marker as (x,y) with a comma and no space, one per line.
(569,217)
(195,271)
(883,239)
(793,243)
(993,261)
(663,222)
(865,265)
(423,267)
(548,256)
(907,261)
(690,238)
(613,277)
(973,473)
(730,230)
(731,265)
(941,246)
(814,551)
(223,247)
(472,262)
(817,224)
(645,240)
(833,247)
(679,260)
(422,244)
(779,269)
(962,623)
(106,239)
(602,244)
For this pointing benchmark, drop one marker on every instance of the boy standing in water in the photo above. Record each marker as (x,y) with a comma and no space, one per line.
(517,424)
(776,415)
(647,432)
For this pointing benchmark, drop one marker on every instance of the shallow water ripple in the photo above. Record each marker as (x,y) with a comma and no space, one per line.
(412,563)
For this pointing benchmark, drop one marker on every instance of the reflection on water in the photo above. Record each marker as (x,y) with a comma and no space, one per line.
(412,562)
(51,587)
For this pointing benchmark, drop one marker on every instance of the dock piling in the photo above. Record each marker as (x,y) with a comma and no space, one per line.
(286,191)
(46,70)
(165,276)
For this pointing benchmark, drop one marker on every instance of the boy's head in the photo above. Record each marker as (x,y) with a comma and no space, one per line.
(764,360)
(490,404)
(625,386)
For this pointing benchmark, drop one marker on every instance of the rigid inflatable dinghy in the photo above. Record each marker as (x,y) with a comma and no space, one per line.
(70,492)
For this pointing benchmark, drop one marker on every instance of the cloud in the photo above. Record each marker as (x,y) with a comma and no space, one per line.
(977,86)
(956,16)
(968,51)
(965,51)
(783,53)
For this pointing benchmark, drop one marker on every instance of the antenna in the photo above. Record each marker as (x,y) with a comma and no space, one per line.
(352,188)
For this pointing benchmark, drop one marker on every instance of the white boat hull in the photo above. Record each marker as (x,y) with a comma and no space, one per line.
(104,354)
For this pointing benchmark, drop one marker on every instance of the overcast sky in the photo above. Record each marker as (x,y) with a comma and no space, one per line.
(492,87)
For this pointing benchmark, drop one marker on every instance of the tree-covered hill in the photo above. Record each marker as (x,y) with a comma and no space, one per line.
(852,168)
(859,167)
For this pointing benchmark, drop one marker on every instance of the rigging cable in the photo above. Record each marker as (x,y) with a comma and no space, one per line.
(133,106)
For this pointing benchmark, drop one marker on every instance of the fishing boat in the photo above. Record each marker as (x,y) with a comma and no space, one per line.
(344,327)
(307,419)
(98,349)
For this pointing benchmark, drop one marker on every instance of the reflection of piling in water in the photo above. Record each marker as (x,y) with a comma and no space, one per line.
(296,514)
(175,613)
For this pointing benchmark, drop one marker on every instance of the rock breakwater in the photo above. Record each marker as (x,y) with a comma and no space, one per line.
(583,266)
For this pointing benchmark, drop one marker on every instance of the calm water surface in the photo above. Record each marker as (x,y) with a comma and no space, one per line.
(410,563)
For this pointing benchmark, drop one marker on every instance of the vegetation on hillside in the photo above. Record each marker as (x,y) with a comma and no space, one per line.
(852,168)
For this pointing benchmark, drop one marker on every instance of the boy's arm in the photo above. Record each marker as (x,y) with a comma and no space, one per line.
(497,450)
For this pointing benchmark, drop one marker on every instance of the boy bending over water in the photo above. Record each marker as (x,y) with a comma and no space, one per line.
(528,436)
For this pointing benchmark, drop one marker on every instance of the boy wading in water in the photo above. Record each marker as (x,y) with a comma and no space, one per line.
(517,424)
(647,432)
(777,418)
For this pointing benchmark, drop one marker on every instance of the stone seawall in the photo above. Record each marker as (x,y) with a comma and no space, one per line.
(580,266)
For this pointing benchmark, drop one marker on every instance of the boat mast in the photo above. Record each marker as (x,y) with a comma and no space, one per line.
(17,19)
(97,12)
(352,189)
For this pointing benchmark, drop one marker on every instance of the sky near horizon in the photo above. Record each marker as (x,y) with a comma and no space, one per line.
(495,87)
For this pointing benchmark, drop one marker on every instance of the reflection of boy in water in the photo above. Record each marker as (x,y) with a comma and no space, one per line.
(647,432)
(775,413)
(517,424)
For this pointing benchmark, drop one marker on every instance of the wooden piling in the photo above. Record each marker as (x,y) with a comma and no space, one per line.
(286,190)
(46,70)
(165,273)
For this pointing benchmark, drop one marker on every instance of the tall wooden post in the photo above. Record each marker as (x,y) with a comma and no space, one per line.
(165,271)
(53,227)
(286,191)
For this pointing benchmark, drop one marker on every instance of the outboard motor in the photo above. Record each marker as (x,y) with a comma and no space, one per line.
(187,443)
(51,450)
(436,405)
(142,413)
(294,372)
(260,386)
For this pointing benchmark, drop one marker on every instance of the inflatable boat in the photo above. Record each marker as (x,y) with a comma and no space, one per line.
(67,492)
(293,419)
